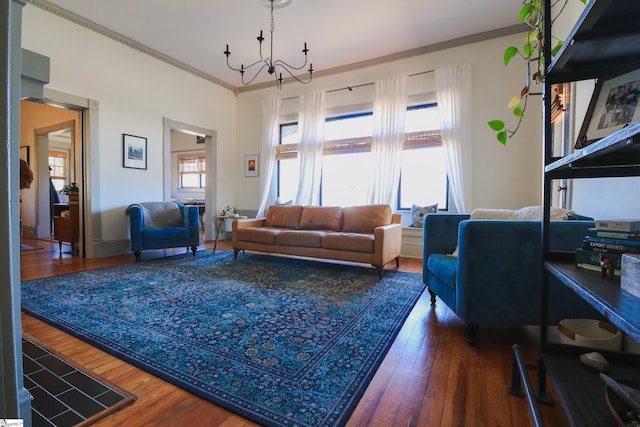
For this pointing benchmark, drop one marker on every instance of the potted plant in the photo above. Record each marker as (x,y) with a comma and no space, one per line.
(532,53)
(229,212)
(72,190)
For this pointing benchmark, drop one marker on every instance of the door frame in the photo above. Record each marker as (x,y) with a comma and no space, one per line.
(211,149)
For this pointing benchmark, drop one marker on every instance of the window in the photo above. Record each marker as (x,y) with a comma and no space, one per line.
(192,171)
(347,160)
(58,167)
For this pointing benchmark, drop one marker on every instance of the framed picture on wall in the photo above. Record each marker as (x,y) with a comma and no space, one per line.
(614,105)
(134,151)
(251,165)
(24,153)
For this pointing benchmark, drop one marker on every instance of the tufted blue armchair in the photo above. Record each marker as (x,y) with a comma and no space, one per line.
(496,277)
(159,225)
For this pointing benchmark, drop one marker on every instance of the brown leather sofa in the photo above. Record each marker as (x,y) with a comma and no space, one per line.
(369,234)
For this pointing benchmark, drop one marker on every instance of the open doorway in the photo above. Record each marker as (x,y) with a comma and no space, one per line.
(53,136)
(55,151)
(183,142)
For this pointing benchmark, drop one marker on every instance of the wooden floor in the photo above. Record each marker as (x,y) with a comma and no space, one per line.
(430,377)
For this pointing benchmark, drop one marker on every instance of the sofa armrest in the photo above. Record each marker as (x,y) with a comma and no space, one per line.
(387,243)
(248,222)
(440,233)
(498,259)
(136,220)
(191,216)
(243,223)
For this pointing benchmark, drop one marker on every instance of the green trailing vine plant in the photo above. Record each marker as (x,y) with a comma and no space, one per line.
(532,52)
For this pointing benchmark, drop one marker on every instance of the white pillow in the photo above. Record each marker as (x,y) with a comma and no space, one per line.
(529,213)
(493,214)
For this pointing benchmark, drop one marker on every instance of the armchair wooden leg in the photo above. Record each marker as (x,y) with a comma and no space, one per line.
(472,331)
(433,296)
(397,262)
(137,254)
(193,249)
(235,253)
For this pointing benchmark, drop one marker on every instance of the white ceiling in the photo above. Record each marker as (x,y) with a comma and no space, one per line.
(337,32)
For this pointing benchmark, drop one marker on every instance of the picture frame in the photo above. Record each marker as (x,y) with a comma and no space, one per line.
(613,105)
(134,151)
(24,153)
(251,165)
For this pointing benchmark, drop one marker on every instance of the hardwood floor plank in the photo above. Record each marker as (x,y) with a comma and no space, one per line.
(429,377)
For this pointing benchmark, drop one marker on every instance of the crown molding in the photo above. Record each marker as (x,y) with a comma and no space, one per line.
(461,41)
(83,22)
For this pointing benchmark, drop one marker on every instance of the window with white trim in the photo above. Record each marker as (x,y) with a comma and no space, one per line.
(192,171)
(58,167)
(347,160)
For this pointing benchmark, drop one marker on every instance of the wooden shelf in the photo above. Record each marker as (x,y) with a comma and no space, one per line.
(579,388)
(618,306)
(616,155)
(604,42)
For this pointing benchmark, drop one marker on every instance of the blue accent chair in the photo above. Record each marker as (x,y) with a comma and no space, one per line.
(160,225)
(496,277)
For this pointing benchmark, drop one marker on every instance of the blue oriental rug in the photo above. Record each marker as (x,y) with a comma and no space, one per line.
(280,341)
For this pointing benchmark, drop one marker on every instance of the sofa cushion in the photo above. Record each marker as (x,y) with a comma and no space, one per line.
(353,242)
(303,238)
(283,216)
(364,219)
(265,235)
(321,218)
(444,268)
(164,234)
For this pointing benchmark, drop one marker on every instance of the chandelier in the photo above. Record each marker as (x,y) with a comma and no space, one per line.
(276,67)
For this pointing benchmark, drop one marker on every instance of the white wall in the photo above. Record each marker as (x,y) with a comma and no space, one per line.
(135,92)
(503,177)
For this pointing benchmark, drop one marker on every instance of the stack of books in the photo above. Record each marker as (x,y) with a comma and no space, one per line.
(609,240)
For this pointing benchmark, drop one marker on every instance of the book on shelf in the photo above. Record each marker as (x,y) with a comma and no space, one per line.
(628,225)
(617,235)
(609,245)
(593,258)
(590,260)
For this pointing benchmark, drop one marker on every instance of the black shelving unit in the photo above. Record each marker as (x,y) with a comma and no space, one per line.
(605,42)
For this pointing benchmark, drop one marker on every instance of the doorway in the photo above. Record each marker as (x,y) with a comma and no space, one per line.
(208,139)
(54,144)
(48,131)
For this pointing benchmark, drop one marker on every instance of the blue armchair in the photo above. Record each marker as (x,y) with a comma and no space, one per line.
(159,225)
(496,277)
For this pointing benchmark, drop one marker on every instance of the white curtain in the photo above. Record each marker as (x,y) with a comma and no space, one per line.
(270,134)
(389,110)
(453,92)
(311,131)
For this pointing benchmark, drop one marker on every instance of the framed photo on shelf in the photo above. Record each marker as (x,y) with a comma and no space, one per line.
(614,105)
(251,165)
(134,151)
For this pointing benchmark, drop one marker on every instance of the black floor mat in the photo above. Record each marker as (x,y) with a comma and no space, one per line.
(65,394)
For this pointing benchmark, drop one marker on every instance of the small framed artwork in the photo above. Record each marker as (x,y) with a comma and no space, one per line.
(614,105)
(134,151)
(251,165)
(24,153)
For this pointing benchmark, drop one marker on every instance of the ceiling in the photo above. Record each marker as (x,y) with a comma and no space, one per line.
(337,32)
